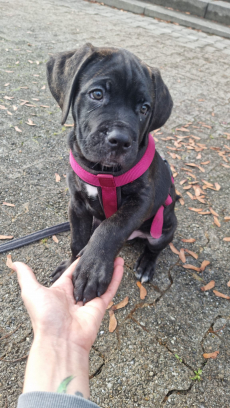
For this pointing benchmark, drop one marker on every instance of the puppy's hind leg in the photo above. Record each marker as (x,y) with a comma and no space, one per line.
(146,263)
(81,227)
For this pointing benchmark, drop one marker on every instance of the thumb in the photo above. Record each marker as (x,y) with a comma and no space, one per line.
(26,278)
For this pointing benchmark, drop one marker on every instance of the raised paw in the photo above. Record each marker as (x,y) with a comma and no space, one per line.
(60,269)
(145,266)
(91,276)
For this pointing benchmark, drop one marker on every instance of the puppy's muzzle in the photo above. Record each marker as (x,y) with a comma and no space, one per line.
(118,141)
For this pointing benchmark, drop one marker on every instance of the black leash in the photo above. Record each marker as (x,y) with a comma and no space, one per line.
(35,236)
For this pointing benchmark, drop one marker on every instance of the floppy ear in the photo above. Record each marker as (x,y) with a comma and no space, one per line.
(63,72)
(163,101)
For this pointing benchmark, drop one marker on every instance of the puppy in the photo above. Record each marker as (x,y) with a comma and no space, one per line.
(116,100)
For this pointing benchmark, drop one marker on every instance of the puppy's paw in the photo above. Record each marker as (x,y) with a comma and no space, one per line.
(145,267)
(91,277)
(60,269)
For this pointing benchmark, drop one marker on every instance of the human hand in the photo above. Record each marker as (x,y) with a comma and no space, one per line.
(64,330)
(55,314)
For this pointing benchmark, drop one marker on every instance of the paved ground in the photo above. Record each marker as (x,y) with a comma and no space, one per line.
(159,343)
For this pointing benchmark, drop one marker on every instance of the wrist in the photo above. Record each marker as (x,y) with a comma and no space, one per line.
(51,361)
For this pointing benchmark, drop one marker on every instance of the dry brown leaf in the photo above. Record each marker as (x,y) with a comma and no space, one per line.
(193,254)
(17,129)
(8,97)
(8,204)
(183,181)
(225,165)
(217,186)
(228,284)
(44,87)
(190,195)
(213,212)
(209,286)
(109,305)
(187,187)
(181,201)
(9,261)
(6,236)
(211,355)
(207,183)
(195,209)
(143,291)
(54,238)
(182,255)
(227,218)
(2,107)
(201,200)
(204,212)
(67,125)
(121,304)
(226,239)
(173,249)
(217,222)
(58,178)
(188,240)
(222,295)
(44,106)
(30,122)
(182,129)
(203,265)
(194,268)
(112,321)
(206,162)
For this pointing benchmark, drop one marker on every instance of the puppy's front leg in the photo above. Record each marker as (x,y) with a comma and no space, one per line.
(94,270)
(81,226)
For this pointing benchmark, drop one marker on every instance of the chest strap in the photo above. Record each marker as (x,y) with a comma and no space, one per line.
(109,183)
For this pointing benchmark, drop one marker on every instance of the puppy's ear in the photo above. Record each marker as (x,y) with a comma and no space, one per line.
(63,71)
(163,101)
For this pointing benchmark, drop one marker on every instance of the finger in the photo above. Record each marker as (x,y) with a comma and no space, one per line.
(26,278)
(114,284)
(119,261)
(66,275)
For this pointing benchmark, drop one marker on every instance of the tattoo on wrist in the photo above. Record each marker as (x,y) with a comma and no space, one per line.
(64,384)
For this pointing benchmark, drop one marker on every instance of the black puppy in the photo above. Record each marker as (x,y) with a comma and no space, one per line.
(116,100)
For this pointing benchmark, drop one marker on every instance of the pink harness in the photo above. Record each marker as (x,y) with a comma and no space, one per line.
(109,184)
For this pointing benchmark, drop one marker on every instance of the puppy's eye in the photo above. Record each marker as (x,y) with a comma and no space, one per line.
(144,109)
(97,94)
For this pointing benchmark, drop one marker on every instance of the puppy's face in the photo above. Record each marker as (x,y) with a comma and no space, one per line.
(116,101)
(112,110)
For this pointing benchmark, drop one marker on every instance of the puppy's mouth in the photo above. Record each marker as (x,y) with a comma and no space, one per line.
(104,168)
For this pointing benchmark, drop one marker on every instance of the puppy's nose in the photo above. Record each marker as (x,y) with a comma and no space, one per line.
(118,140)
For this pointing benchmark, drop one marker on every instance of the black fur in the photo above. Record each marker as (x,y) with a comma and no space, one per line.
(111,135)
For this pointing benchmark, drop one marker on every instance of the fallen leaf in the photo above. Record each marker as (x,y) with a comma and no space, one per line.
(44,87)
(109,305)
(44,106)
(68,125)
(206,162)
(227,218)
(222,295)
(213,212)
(227,239)
(121,304)
(211,355)
(58,178)
(9,113)
(6,236)
(9,261)
(173,249)
(181,201)
(203,265)
(188,240)
(54,238)
(195,209)
(112,321)
(30,122)
(17,129)
(183,129)
(207,183)
(143,291)
(8,204)
(217,186)
(193,254)
(8,97)
(217,222)
(190,195)
(209,286)
(194,268)
(204,212)
(187,187)
(182,255)
(183,181)
(2,107)
(228,284)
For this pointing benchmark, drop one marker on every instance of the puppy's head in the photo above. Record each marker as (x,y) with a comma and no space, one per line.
(116,101)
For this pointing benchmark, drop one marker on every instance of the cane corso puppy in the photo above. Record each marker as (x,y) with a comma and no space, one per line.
(116,100)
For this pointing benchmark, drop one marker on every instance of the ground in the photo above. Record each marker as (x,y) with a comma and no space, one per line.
(151,358)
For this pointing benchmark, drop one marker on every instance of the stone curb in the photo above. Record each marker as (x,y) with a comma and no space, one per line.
(217,11)
(139,7)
